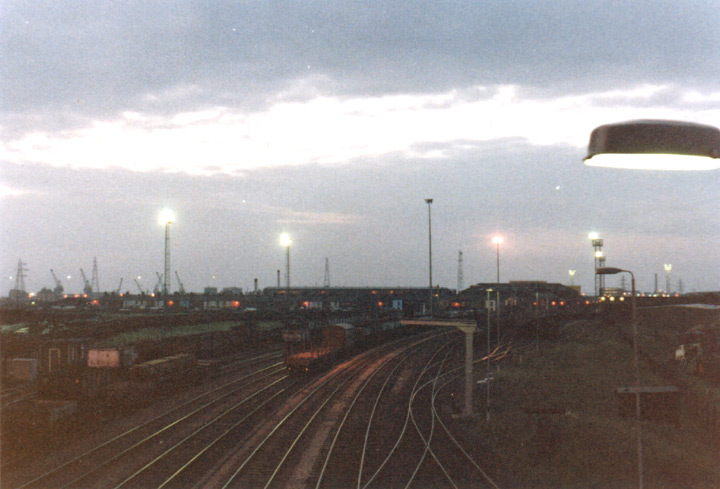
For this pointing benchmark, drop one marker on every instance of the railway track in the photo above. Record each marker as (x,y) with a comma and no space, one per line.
(373,421)
(14,395)
(84,468)
(283,451)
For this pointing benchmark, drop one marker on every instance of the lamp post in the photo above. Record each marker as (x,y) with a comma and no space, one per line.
(430,286)
(636,365)
(487,379)
(652,145)
(286,241)
(498,241)
(166,218)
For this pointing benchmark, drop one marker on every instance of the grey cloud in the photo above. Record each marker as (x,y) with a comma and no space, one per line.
(108,56)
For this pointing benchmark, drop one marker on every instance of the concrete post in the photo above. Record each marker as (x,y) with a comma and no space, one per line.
(468,409)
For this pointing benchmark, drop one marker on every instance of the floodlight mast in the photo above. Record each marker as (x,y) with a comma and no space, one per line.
(286,241)
(498,240)
(166,218)
(430,282)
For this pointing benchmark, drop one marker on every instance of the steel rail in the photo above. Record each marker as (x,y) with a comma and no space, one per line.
(281,423)
(351,373)
(138,444)
(217,439)
(372,416)
(155,419)
(366,382)
(428,441)
(452,437)
(204,427)
(407,417)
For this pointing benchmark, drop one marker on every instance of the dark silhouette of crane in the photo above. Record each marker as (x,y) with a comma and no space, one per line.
(181,287)
(58,286)
(159,286)
(87,288)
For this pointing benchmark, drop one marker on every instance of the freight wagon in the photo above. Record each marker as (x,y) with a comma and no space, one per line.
(337,340)
(341,340)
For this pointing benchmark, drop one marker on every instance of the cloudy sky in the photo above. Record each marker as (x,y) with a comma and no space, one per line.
(333,121)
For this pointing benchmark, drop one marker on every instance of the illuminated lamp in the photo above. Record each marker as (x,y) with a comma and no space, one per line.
(655,145)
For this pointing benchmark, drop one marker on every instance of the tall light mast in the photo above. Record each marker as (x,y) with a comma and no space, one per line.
(166,218)
(460,280)
(95,282)
(286,241)
(326,282)
(19,293)
(430,285)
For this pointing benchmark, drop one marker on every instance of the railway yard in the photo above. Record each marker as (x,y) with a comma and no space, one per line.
(382,410)
(367,422)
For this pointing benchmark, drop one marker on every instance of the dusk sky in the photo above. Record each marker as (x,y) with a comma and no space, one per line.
(333,122)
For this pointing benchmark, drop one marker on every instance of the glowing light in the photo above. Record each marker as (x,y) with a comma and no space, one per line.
(593,236)
(497,240)
(285,239)
(662,162)
(166,217)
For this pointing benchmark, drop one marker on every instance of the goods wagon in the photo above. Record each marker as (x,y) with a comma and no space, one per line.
(111,357)
(311,361)
(337,341)
(338,336)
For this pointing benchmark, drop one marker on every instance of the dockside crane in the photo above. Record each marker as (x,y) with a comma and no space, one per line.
(139,287)
(159,285)
(58,286)
(117,291)
(181,287)
(87,288)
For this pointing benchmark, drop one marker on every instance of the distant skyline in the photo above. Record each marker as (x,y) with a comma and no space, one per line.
(333,121)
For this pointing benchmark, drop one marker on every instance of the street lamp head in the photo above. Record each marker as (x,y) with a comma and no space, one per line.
(655,145)
(608,270)
(285,240)
(428,201)
(498,240)
(166,217)
(668,267)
